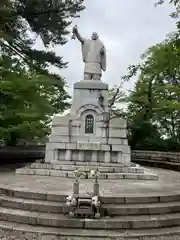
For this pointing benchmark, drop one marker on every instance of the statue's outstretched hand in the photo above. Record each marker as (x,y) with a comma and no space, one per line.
(75,29)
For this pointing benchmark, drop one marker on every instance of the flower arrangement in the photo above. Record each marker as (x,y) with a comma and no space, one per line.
(78,173)
(95,174)
(95,201)
(71,201)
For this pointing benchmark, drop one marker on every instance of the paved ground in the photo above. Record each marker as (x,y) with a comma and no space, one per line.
(169,182)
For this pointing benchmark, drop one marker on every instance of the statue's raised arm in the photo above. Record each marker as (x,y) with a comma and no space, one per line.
(77,35)
(93,55)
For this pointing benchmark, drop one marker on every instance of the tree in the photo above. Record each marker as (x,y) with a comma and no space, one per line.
(154,105)
(29,93)
(176,13)
(22,21)
(117,97)
(27,102)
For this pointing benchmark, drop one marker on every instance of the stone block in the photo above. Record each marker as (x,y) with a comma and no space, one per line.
(117,133)
(139,200)
(49,156)
(126,210)
(103,176)
(126,159)
(131,176)
(124,141)
(59,221)
(55,145)
(112,200)
(21,217)
(114,141)
(56,197)
(105,147)
(94,146)
(146,223)
(107,224)
(119,122)
(29,194)
(42,172)
(71,146)
(121,148)
(55,173)
(148,177)
(115,176)
(57,167)
(170,198)
(63,130)
(89,84)
(59,138)
(11,203)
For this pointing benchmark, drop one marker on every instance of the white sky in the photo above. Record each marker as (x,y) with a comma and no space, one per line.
(126,27)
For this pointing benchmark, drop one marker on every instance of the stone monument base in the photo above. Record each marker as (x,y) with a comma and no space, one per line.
(107,170)
(88,138)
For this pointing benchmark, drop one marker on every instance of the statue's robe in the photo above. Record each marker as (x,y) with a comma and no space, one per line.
(94,56)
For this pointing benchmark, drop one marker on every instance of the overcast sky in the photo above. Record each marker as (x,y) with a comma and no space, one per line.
(126,27)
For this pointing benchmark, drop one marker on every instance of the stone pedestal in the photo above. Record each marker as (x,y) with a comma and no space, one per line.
(95,189)
(87,137)
(75,188)
(87,134)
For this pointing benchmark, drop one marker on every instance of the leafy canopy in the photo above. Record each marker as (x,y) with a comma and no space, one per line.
(27,102)
(22,21)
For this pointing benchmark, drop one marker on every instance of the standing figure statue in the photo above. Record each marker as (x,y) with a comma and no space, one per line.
(94,55)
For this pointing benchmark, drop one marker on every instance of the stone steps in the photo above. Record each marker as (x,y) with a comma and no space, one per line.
(102,169)
(27,211)
(60,220)
(10,229)
(78,163)
(111,209)
(70,174)
(141,209)
(55,196)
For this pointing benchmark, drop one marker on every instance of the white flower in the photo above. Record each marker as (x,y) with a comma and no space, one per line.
(95,201)
(92,173)
(69,198)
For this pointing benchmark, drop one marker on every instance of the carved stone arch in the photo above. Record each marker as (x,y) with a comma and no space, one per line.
(90,107)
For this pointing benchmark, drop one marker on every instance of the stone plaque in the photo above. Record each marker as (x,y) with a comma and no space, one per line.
(94,146)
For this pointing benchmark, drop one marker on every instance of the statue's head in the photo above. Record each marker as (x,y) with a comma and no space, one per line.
(94,36)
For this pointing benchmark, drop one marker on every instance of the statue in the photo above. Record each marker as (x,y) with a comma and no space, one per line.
(94,55)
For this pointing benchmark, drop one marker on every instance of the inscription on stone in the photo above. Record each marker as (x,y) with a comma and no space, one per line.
(88,146)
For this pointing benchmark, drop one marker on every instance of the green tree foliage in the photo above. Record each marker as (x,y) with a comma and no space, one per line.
(29,93)
(117,97)
(22,21)
(154,104)
(176,13)
(27,102)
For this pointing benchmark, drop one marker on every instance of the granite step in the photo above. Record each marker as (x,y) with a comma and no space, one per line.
(109,209)
(102,169)
(70,174)
(60,220)
(141,209)
(25,231)
(79,163)
(32,205)
(55,196)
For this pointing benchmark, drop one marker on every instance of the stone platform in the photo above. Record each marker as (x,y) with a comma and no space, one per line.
(107,170)
(32,208)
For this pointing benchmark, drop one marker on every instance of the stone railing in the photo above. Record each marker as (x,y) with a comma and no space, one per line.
(10,155)
(22,154)
(169,160)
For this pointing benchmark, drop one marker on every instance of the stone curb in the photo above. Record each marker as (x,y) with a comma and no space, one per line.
(22,231)
(107,209)
(56,196)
